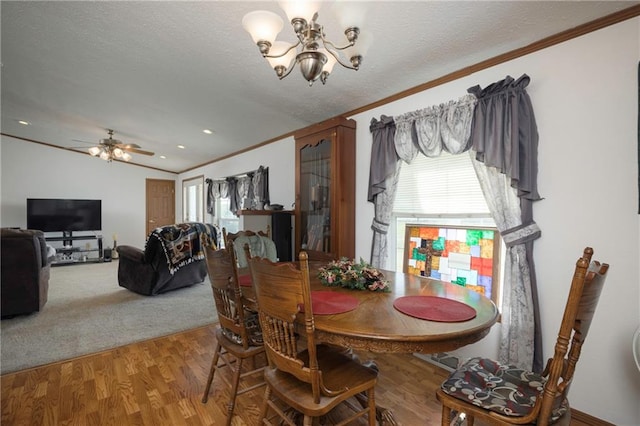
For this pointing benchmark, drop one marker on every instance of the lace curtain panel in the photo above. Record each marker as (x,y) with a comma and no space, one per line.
(499,125)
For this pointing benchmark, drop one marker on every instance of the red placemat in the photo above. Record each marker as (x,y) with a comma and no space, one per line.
(434,308)
(244,280)
(331,302)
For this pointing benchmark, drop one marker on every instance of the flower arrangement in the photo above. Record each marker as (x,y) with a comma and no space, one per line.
(353,275)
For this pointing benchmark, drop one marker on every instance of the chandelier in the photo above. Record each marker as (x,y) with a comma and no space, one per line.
(315,55)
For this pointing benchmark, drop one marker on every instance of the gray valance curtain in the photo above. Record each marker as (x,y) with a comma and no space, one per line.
(249,191)
(497,126)
(504,133)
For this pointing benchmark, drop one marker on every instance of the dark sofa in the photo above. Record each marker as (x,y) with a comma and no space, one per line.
(173,258)
(25,270)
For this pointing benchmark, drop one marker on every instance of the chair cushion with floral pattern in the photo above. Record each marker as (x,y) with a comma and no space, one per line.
(501,388)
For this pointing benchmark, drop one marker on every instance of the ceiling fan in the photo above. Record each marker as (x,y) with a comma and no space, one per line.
(109,149)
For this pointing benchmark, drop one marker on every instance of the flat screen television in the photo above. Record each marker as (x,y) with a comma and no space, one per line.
(64,215)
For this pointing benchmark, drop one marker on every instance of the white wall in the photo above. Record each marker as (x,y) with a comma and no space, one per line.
(32,170)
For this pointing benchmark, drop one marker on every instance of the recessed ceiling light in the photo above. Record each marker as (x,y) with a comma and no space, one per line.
(25,123)
(163,156)
(181,146)
(207,131)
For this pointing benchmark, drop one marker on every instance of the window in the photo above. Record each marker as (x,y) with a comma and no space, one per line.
(224,217)
(193,199)
(442,191)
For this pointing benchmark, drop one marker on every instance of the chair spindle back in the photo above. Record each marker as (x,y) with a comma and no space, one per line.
(282,292)
(586,286)
(222,270)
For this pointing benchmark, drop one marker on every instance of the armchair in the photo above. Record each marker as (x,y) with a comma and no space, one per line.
(25,271)
(173,258)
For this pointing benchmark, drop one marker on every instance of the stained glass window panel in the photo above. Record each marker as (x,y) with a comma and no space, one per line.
(465,256)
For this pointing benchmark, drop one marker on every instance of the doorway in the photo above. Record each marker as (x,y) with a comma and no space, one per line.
(161,203)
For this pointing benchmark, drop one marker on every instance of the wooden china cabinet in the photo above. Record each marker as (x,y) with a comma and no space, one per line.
(325,190)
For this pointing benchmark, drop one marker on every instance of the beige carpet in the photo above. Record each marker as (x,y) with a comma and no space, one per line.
(88,312)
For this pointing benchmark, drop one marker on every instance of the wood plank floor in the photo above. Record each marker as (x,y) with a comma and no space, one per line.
(160,382)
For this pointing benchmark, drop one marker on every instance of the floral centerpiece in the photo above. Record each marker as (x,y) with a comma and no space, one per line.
(353,275)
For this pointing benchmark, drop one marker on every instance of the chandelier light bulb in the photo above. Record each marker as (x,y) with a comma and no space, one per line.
(350,14)
(262,25)
(331,61)
(356,52)
(277,56)
(94,150)
(328,67)
(105,156)
(302,9)
(126,156)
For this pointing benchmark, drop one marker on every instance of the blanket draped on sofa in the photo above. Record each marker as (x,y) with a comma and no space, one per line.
(183,243)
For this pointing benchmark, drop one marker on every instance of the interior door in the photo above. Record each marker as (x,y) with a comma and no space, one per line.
(161,203)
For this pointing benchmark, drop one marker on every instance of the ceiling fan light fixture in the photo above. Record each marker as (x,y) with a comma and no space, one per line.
(313,52)
(110,149)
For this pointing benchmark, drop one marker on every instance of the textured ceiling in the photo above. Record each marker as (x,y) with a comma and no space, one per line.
(158,73)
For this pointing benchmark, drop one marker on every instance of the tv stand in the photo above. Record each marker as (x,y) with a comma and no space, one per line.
(68,254)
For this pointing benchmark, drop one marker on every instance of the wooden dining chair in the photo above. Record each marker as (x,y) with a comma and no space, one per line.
(230,236)
(237,339)
(260,244)
(495,393)
(311,381)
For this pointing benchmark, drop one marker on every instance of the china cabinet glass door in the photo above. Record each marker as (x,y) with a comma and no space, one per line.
(315,197)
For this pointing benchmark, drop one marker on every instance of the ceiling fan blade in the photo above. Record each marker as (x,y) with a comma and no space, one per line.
(81,141)
(138,151)
(128,146)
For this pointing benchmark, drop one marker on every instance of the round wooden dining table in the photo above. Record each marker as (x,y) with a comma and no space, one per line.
(376,325)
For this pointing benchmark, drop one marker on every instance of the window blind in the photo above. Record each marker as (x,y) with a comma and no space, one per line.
(445,185)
